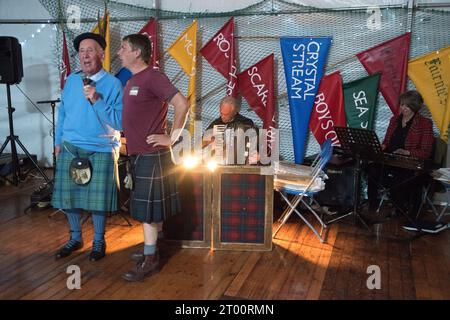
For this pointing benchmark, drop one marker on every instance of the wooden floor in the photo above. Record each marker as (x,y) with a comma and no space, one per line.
(299,266)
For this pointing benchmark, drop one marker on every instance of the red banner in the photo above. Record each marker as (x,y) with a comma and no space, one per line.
(65,63)
(328,110)
(389,58)
(219,52)
(150,30)
(257,87)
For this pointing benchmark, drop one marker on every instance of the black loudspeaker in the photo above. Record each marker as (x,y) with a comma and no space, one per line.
(11,68)
(339,188)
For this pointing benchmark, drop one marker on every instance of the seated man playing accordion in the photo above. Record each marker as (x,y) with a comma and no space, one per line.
(234,134)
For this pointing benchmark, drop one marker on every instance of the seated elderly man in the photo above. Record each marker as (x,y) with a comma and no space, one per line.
(218,132)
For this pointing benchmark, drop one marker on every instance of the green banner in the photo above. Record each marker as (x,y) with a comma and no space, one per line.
(360,97)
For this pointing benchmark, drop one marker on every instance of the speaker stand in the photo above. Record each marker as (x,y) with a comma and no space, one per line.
(13,139)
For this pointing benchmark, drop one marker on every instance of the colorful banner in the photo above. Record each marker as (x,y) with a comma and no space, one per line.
(151,31)
(123,75)
(328,110)
(65,63)
(431,76)
(304,60)
(360,98)
(102,28)
(257,87)
(389,58)
(184,51)
(220,53)
(446,122)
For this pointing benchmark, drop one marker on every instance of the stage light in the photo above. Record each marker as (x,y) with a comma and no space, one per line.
(190,162)
(212,165)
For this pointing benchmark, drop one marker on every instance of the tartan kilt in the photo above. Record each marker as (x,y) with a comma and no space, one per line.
(100,194)
(154,197)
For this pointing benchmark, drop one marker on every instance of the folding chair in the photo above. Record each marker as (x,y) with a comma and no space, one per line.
(439,176)
(304,187)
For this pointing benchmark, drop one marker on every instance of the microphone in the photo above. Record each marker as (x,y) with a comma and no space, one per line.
(86,82)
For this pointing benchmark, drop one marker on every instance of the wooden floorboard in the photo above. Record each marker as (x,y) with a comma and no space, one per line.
(298,268)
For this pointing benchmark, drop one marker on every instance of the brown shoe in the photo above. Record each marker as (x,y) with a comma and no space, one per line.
(147,266)
(137,256)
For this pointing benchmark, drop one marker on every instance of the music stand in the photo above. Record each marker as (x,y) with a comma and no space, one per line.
(362,144)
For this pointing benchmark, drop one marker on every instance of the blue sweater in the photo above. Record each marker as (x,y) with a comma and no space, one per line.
(91,127)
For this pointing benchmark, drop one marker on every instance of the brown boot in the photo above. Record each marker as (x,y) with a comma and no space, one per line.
(145,267)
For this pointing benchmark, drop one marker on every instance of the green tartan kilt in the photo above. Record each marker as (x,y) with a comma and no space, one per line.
(100,194)
(154,197)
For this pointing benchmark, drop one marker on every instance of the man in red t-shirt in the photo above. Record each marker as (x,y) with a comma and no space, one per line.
(154,197)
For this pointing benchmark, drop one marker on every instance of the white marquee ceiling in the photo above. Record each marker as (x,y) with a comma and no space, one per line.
(230,5)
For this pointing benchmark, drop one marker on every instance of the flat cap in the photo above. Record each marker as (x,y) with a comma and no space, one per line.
(89,35)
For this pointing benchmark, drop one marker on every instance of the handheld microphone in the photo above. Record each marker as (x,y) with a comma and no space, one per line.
(86,82)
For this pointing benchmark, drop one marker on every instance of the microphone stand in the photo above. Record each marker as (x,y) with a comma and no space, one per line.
(50,183)
(52,105)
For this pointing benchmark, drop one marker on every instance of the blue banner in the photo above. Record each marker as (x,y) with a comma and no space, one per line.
(123,75)
(304,60)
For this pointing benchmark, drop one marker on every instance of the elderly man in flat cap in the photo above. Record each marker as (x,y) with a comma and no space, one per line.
(87,142)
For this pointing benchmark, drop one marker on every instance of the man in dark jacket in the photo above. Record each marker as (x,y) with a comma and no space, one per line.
(230,118)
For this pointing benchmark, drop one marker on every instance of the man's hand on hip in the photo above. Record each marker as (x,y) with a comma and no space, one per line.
(159,140)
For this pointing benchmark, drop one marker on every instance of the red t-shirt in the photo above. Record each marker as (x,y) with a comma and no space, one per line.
(145,109)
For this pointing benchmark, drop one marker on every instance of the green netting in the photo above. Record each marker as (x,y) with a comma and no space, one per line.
(258,29)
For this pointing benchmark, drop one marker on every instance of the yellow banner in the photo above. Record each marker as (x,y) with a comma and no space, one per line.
(102,28)
(192,97)
(446,122)
(431,76)
(184,51)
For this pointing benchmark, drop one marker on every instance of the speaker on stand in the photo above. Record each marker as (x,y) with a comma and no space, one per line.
(11,72)
(11,67)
